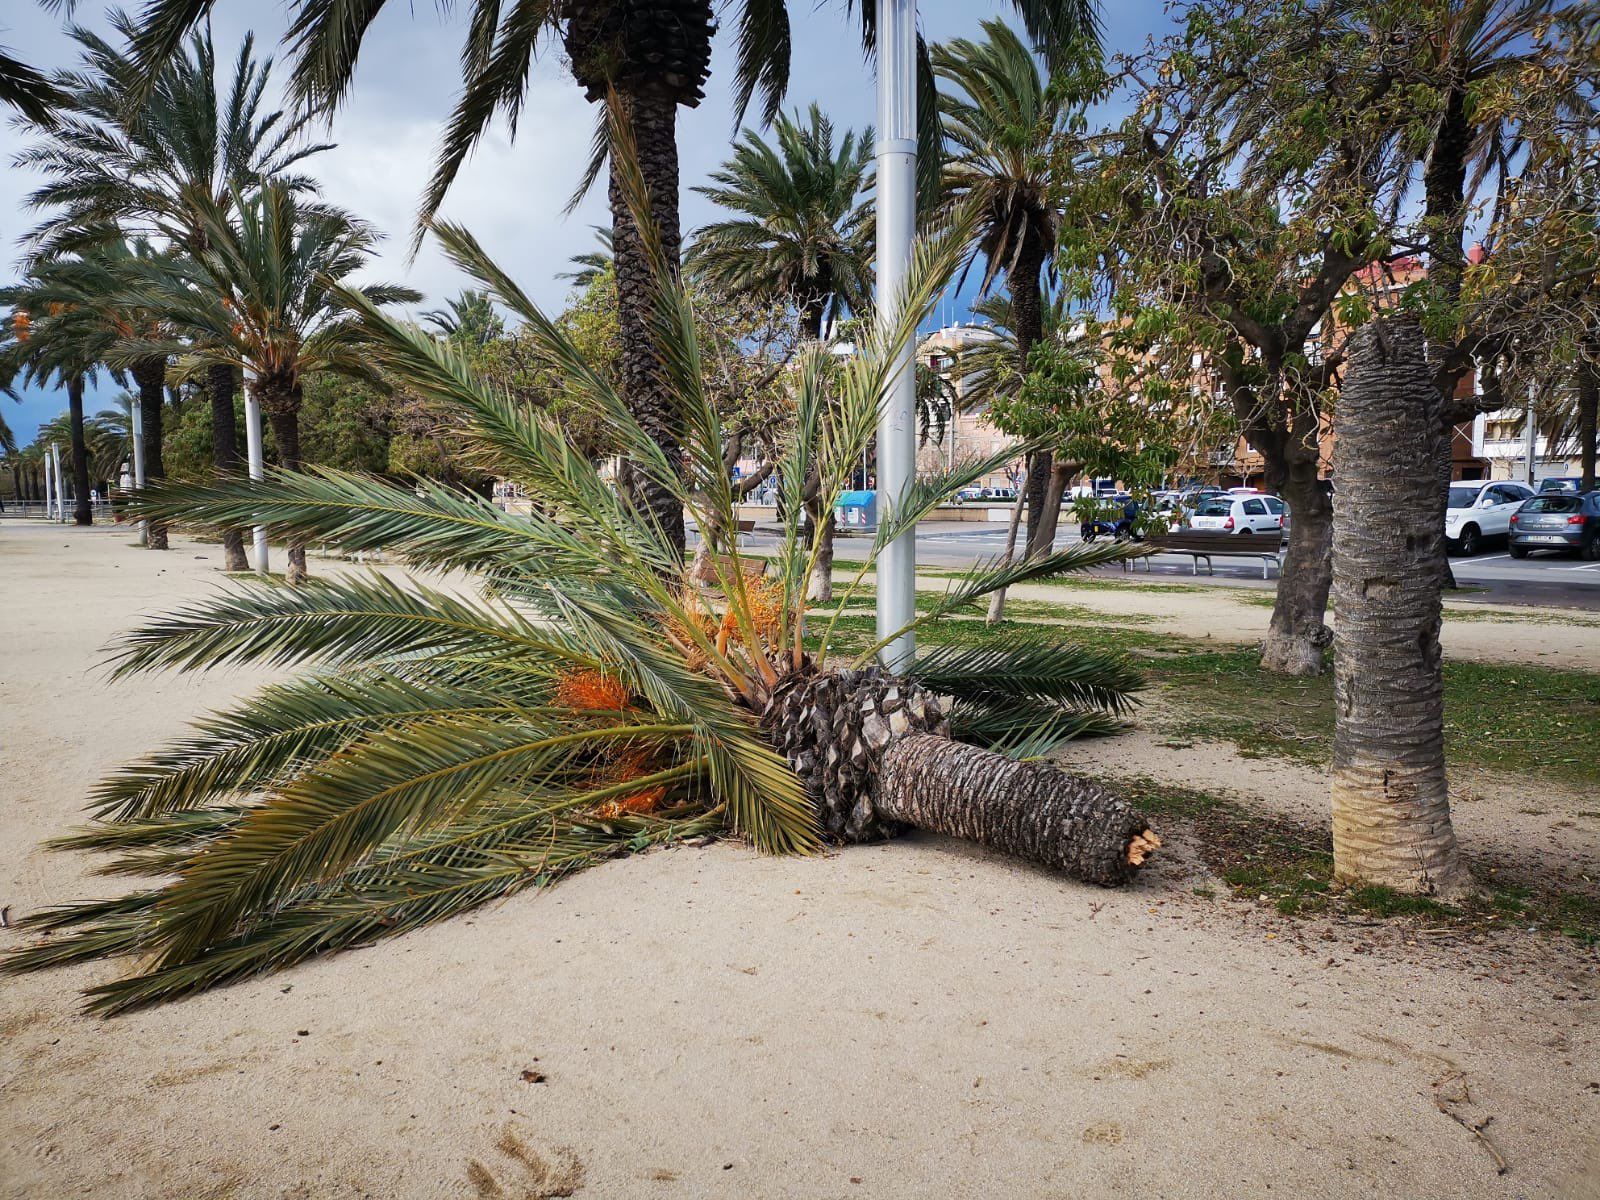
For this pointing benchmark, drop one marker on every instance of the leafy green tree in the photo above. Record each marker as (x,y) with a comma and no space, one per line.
(594,701)
(591,264)
(470,317)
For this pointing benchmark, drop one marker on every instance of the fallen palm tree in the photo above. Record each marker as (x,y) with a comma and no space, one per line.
(595,699)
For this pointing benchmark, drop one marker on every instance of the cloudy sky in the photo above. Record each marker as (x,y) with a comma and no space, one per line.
(511,195)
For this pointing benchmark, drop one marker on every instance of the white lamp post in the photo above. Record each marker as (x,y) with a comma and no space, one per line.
(897,217)
(61,496)
(137,422)
(252,442)
(49,489)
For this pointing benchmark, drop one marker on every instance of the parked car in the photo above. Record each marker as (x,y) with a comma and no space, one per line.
(968,495)
(1247,516)
(1001,495)
(1561,483)
(1565,521)
(1478,510)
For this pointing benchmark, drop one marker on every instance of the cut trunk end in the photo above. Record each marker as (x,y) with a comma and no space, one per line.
(1031,810)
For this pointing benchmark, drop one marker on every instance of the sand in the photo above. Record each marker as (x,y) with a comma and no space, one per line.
(909,1020)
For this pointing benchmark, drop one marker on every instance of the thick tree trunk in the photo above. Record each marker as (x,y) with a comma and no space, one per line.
(1028,809)
(652,118)
(1588,411)
(151,378)
(1027,319)
(1391,804)
(82,512)
(820,588)
(1044,537)
(1298,633)
(997,601)
(221,385)
(283,413)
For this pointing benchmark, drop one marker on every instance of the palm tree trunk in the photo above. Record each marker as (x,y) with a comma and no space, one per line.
(1032,810)
(653,121)
(997,602)
(1391,804)
(1027,318)
(221,384)
(151,377)
(1298,633)
(282,410)
(82,513)
(1588,411)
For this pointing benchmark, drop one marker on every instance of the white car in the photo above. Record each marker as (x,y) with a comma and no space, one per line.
(1479,509)
(1247,516)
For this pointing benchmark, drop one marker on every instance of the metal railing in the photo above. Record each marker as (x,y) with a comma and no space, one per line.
(35,510)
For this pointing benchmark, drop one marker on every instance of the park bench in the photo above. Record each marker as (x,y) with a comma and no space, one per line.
(1203,543)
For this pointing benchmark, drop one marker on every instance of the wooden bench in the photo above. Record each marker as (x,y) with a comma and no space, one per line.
(752,566)
(1203,543)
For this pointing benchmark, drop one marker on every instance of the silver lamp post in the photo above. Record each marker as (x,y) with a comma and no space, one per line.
(136,421)
(252,444)
(897,217)
(61,496)
(49,490)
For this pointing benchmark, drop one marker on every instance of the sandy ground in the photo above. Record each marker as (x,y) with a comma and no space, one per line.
(909,1020)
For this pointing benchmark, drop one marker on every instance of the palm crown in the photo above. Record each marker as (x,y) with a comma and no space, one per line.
(594,698)
(801,232)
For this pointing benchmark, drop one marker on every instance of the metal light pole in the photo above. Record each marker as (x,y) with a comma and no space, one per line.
(1529,433)
(61,504)
(897,217)
(137,422)
(49,489)
(252,442)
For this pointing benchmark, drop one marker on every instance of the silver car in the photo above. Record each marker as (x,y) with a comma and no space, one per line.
(1557,521)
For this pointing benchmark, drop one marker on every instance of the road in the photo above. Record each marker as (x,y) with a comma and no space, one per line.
(1562,582)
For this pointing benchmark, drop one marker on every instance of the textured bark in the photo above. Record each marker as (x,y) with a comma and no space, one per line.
(151,378)
(1028,809)
(82,513)
(1027,319)
(1044,535)
(997,602)
(282,409)
(1391,804)
(1298,633)
(1588,411)
(875,754)
(652,119)
(819,589)
(221,385)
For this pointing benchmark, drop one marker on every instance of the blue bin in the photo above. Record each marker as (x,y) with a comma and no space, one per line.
(856,511)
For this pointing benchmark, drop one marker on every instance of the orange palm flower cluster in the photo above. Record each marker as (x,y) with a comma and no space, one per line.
(765,603)
(20,323)
(635,764)
(590,689)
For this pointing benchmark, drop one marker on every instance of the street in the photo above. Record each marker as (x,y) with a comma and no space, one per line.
(1543,579)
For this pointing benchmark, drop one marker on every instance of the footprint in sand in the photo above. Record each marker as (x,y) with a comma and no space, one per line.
(529,1175)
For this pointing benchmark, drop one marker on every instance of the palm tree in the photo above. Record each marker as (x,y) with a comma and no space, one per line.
(589,266)
(1001,120)
(801,238)
(801,234)
(470,317)
(153,169)
(94,285)
(48,340)
(651,56)
(594,701)
(260,299)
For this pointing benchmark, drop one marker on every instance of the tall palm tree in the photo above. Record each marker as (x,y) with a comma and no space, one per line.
(652,56)
(152,169)
(801,237)
(49,340)
(95,286)
(470,317)
(594,701)
(589,266)
(261,299)
(1001,119)
(800,234)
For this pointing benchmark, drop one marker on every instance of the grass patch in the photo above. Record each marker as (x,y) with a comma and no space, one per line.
(1288,867)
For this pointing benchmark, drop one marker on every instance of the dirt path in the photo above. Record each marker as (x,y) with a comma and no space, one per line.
(908,1020)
